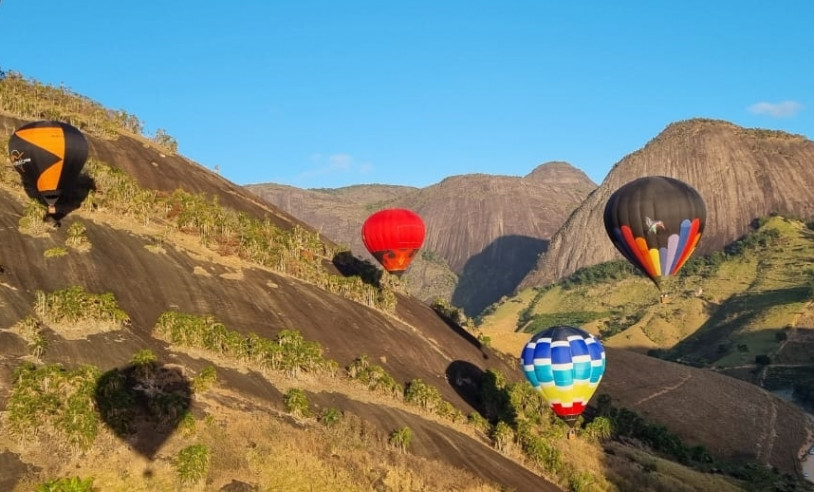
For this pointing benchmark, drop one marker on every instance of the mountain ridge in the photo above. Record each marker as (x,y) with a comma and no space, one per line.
(741,173)
(489,229)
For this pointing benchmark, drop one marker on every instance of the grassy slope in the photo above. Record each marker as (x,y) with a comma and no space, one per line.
(721,320)
(745,302)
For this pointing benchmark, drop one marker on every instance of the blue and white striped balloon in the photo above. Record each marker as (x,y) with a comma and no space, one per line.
(566,365)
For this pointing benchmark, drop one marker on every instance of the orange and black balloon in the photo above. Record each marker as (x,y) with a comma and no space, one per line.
(394,236)
(656,222)
(49,155)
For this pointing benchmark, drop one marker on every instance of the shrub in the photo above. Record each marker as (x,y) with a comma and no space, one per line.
(763,360)
(600,429)
(74,304)
(581,481)
(144,358)
(52,401)
(30,329)
(76,237)
(187,423)
(296,403)
(422,394)
(374,376)
(330,416)
(73,484)
(192,463)
(288,351)
(502,436)
(401,438)
(31,222)
(478,421)
(55,252)
(204,379)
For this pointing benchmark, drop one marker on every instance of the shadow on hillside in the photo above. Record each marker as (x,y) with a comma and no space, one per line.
(70,200)
(466,379)
(714,338)
(496,272)
(463,333)
(143,404)
(14,470)
(349,265)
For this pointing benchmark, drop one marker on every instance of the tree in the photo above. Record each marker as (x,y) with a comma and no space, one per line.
(600,429)
(296,403)
(762,360)
(502,435)
(164,139)
(401,438)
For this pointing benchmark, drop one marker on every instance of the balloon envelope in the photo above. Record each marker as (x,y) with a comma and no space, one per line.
(566,365)
(49,155)
(393,236)
(656,222)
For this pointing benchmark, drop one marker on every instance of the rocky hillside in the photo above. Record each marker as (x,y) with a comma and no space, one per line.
(741,173)
(152,265)
(488,229)
(162,270)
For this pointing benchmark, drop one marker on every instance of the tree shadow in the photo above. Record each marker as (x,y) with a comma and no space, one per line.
(73,197)
(496,271)
(466,379)
(143,404)
(349,266)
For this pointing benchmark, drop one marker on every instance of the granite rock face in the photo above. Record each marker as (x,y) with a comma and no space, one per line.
(488,229)
(742,174)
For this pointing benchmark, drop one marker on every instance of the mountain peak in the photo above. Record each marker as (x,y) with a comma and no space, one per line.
(558,172)
(741,173)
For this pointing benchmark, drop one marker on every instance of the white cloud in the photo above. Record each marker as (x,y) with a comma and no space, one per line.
(334,164)
(340,162)
(783,109)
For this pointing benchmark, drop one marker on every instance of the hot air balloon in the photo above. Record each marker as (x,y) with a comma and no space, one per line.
(394,236)
(656,222)
(49,155)
(566,365)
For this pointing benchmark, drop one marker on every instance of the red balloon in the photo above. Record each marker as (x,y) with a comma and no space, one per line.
(394,236)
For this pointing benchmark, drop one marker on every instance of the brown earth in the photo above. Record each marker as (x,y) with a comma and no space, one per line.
(728,416)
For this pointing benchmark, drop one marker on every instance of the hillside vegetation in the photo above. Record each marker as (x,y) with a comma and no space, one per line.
(746,312)
(726,309)
(173,342)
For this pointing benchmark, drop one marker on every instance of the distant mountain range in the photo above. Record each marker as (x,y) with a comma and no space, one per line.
(493,232)
(489,230)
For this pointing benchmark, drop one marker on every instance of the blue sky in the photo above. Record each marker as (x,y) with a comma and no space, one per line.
(318,93)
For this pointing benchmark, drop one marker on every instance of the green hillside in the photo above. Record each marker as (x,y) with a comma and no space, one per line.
(746,311)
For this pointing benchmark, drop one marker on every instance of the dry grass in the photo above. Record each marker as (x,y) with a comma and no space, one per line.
(634,469)
(83,328)
(256,447)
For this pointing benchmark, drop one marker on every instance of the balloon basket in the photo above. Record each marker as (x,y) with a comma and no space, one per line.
(572,433)
(664,299)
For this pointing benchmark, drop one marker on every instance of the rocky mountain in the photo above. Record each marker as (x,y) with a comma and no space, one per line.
(152,266)
(741,173)
(488,229)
